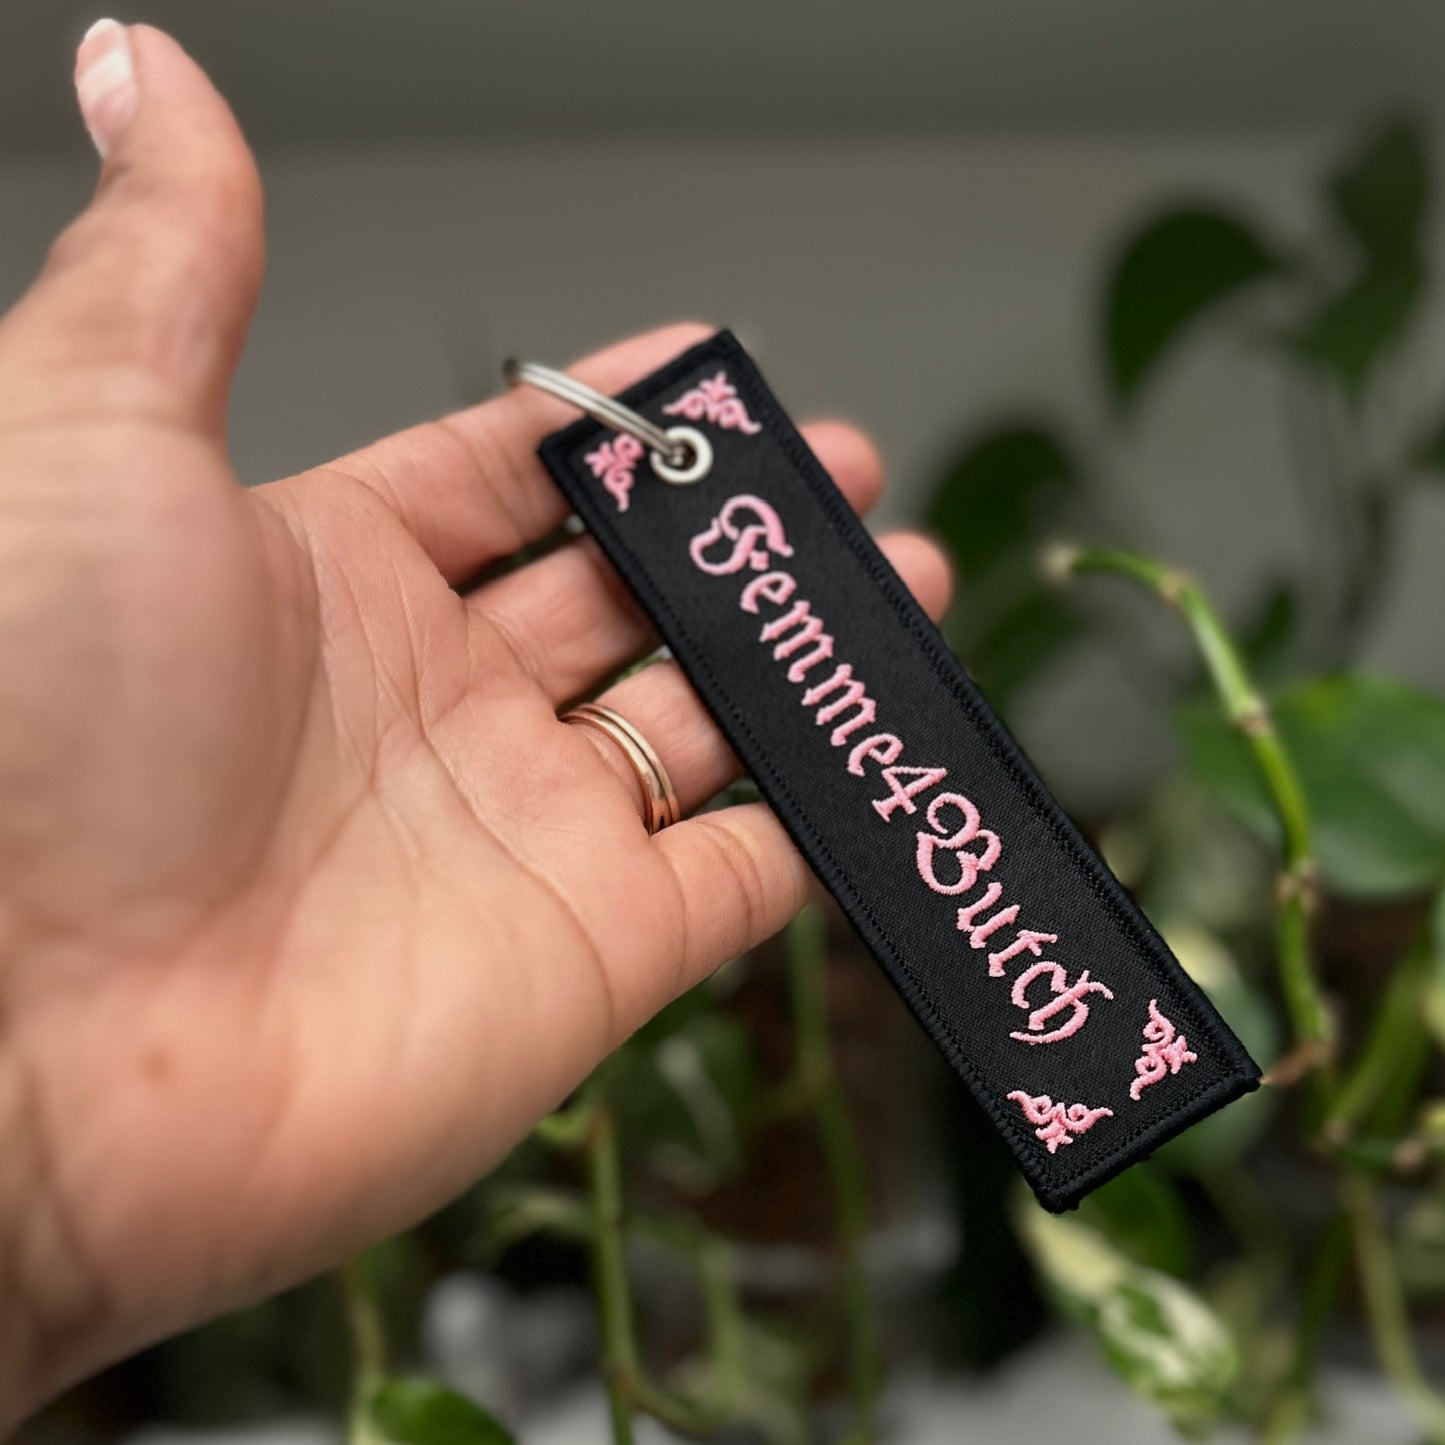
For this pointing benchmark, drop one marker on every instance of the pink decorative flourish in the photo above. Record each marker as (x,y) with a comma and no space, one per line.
(715,400)
(1057,1123)
(1166,1051)
(614,462)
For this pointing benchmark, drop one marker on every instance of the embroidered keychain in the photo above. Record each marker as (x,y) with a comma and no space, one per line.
(1016,949)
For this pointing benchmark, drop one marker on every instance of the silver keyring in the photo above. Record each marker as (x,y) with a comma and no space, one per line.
(675,448)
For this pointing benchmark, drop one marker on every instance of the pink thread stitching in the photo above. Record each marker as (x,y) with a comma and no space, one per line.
(900,795)
(746,551)
(715,400)
(1166,1051)
(970,865)
(751,535)
(1056,1123)
(1067,995)
(614,462)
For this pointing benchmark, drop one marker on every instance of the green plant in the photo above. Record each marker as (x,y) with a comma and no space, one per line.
(1337,772)
(682,1095)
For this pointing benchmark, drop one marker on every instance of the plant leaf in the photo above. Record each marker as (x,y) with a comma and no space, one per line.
(1265,638)
(1383,194)
(1001,490)
(767,1384)
(1003,653)
(517,1211)
(1225,1136)
(1167,277)
(414,1411)
(1435,988)
(1005,491)
(1141,1216)
(1351,330)
(1168,1345)
(1422,1247)
(689,1098)
(1371,758)
(1430,454)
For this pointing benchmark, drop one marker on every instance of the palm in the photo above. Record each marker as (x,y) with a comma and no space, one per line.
(399,894)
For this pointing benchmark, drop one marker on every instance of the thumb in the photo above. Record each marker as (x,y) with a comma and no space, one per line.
(146,298)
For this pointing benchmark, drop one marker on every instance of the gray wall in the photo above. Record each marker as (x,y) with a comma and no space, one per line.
(918,285)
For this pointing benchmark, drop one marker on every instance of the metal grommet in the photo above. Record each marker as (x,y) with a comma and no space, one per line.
(699,450)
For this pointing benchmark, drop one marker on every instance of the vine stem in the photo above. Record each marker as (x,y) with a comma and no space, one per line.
(819,1082)
(1385,1301)
(1250,716)
(590,1125)
(609,1266)
(368,1344)
(1379,1275)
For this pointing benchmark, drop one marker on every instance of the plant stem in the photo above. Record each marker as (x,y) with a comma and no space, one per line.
(609,1267)
(1249,714)
(1397,1029)
(1290,1408)
(843,1159)
(590,1124)
(1384,1296)
(1385,1304)
(368,1344)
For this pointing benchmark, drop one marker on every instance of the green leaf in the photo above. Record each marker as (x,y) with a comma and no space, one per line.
(1435,988)
(1421,1243)
(1006,490)
(415,1411)
(1371,758)
(1226,1135)
(1169,276)
(1167,1344)
(1430,452)
(765,1384)
(1005,652)
(1351,330)
(517,1211)
(1383,194)
(1141,1216)
(689,1099)
(999,492)
(1265,638)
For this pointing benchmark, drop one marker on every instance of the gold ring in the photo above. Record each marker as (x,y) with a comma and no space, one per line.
(659,801)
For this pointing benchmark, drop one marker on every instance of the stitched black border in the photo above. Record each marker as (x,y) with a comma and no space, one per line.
(1057,1192)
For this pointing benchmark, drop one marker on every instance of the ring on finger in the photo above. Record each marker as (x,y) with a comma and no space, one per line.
(659,799)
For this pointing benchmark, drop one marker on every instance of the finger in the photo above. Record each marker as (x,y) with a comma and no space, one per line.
(660,703)
(569,616)
(739,880)
(469,486)
(145,300)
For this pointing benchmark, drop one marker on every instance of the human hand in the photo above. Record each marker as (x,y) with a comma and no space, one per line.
(309,904)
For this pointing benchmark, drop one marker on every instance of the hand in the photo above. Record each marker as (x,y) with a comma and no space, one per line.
(309,905)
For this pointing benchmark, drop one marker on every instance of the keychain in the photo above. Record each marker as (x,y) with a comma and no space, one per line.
(1014,946)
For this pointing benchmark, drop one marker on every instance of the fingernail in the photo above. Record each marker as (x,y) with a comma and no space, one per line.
(105,83)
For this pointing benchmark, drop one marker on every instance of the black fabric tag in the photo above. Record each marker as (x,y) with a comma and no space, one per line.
(1014,946)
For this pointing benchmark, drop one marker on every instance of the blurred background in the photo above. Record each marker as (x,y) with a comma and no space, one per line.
(1160,277)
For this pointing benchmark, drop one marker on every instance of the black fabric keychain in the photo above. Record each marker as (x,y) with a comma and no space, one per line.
(1014,946)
